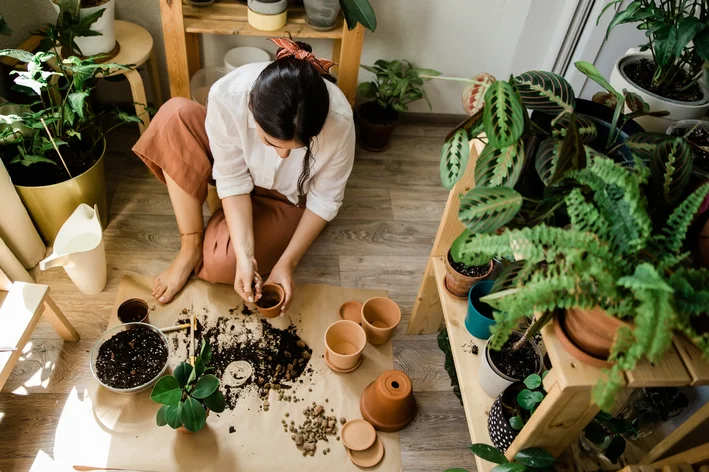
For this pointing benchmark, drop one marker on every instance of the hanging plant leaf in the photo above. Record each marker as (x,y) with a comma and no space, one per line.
(635,102)
(499,166)
(670,168)
(546,91)
(606,99)
(484,209)
(586,128)
(546,159)
(474,94)
(474,124)
(644,144)
(503,115)
(454,158)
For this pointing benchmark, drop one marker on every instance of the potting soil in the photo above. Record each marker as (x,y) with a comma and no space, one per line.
(468,271)
(131,358)
(517,364)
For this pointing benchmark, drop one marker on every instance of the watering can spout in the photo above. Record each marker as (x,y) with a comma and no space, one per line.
(55,260)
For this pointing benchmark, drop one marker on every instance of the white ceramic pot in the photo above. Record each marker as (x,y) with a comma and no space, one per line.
(92,45)
(492,381)
(239,56)
(687,124)
(678,110)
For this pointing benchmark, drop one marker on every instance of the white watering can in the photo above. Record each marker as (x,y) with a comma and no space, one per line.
(79,249)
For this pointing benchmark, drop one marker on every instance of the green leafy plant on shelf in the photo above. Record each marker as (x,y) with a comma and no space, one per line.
(186,395)
(606,433)
(359,12)
(396,84)
(533,458)
(677,34)
(526,401)
(610,257)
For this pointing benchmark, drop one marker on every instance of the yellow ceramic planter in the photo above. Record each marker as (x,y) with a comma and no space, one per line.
(264,22)
(49,206)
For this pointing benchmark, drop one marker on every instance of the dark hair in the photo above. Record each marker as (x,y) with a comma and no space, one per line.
(289,100)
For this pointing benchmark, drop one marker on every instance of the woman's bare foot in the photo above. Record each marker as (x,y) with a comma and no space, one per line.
(171,281)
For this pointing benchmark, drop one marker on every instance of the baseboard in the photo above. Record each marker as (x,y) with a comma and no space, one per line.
(433,118)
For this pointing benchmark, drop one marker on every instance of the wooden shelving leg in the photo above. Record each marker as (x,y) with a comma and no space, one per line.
(176,48)
(350,54)
(558,420)
(664,446)
(336,47)
(427,315)
(194,59)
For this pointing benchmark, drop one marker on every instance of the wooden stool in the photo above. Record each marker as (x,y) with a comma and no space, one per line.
(136,49)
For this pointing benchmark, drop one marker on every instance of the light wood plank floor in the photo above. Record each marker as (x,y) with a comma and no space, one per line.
(380,239)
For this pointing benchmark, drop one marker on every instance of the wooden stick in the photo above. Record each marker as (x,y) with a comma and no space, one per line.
(55,147)
(194,326)
(170,329)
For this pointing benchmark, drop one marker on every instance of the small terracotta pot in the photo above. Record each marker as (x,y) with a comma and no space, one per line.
(388,402)
(572,349)
(458,284)
(344,341)
(134,310)
(182,429)
(593,331)
(268,292)
(380,316)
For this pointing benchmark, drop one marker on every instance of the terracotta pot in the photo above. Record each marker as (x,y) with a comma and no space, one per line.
(388,402)
(593,331)
(380,316)
(134,310)
(182,429)
(572,349)
(344,341)
(269,291)
(374,137)
(458,284)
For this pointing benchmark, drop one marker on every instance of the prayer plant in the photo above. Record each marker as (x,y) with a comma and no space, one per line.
(612,257)
(186,395)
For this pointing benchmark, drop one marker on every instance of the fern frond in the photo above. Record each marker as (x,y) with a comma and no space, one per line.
(691,287)
(675,230)
(584,216)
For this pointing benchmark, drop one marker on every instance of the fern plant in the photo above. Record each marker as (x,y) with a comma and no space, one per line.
(611,257)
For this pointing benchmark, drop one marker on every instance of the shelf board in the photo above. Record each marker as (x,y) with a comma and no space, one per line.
(231,18)
(475,401)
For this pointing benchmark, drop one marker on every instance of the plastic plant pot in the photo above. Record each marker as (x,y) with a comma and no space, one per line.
(479,318)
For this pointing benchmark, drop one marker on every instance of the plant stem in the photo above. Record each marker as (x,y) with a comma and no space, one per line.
(614,132)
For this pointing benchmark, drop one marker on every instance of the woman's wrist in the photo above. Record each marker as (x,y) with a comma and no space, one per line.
(287,263)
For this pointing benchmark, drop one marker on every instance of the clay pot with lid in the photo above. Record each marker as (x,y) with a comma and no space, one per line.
(388,402)
(380,316)
(344,343)
(272,297)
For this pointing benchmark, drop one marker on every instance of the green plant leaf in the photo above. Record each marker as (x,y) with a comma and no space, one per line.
(359,11)
(160,418)
(205,386)
(644,144)
(572,154)
(127,117)
(5,29)
(205,353)
(499,166)
(701,44)
(624,16)
(535,457)
(488,453)
(29,159)
(474,93)
(585,128)
(606,99)
(472,125)
(484,209)
(533,381)
(192,415)
(671,168)
(216,401)
(199,367)
(509,467)
(546,91)
(454,158)
(687,28)
(526,399)
(664,43)
(516,423)
(172,415)
(76,101)
(635,102)
(503,115)
(166,391)
(590,71)
(20,55)
(546,158)
(510,277)
(182,373)
(368,89)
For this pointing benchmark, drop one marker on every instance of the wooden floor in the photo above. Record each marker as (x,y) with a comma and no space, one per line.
(380,239)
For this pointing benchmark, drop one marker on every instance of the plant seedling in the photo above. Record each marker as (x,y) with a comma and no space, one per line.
(533,458)
(527,400)
(188,393)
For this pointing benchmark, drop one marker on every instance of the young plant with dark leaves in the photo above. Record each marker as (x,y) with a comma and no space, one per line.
(359,12)
(396,84)
(607,433)
(70,25)
(526,401)
(186,395)
(531,459)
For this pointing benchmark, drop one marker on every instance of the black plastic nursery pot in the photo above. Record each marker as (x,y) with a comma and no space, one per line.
(376,125)
(498,422)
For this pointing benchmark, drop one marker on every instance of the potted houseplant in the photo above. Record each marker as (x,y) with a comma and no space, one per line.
(667,70)
(189,394)
(696,133)
(59,164)
(650,407)
(503,363)
(532,458)
(513,408)
(86,27)
(461,277)
(396,84)
(479,316)
(322,14)
(603,437)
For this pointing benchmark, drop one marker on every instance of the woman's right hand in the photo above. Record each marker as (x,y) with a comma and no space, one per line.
(248,282)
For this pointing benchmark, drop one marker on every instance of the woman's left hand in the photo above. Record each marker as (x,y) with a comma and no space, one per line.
(283,276)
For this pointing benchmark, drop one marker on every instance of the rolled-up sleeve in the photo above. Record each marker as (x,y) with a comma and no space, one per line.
(327,188)
(229,170)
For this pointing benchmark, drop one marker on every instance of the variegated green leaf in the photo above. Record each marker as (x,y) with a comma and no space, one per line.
(644,144)
(586,128)
(546,158)
(474,94)
(499,166)
(454,158)
(484,209)
(670,168)
(546,91)
(503,115)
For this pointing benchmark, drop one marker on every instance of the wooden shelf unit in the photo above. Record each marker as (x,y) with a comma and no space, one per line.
(567,407)
(182,24)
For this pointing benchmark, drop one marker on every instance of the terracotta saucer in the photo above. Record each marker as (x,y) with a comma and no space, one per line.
(327,361)
(369,457)
(358,435)
(351,310)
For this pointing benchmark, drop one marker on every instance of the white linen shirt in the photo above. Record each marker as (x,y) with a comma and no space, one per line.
(242,160)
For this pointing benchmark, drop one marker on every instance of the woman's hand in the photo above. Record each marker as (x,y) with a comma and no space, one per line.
(282,275)
(247,281)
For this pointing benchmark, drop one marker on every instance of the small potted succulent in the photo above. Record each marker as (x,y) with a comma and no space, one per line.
(189,394)
(396,84)
(507,360)
(533,458)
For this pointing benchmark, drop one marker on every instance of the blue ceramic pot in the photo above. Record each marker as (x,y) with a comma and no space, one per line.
(476,322)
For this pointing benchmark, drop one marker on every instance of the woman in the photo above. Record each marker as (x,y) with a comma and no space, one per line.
(279,141)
